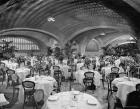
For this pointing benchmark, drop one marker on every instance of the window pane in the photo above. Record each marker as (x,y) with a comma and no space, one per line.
(20,43)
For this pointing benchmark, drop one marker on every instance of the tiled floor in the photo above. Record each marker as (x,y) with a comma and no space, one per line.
(99,93)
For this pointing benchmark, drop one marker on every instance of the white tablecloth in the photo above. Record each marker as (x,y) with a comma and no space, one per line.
(10,64)
(79,75)
(65,69)
(64,100)
(22,72)
(41,82)
(3,101)
(79,65)
(125,85)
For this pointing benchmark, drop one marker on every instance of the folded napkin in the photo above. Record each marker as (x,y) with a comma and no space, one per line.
(3,101)
(91,101)
(53,98)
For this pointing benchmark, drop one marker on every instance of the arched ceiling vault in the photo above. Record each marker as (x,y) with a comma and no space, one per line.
(72,18)
(109,38)
(42,37)
(37,42)
(93,46)
(95,31)
(103,40)
(95,34)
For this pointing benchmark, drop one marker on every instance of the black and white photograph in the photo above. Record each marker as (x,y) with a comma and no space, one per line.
(69,54)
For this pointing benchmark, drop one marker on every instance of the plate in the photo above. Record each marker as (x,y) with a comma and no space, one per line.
(53,98)
(91,102)
(75,92)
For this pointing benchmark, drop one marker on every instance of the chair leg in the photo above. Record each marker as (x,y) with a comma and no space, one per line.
(103,83)
(114,106)
(24,100)
(35,103)
(108,107)
(107,95)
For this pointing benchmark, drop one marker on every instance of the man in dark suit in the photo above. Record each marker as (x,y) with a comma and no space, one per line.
(133,98)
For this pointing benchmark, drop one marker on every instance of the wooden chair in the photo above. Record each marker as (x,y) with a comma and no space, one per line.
(89,81)
(58,78)
(9,75)
(56,68)
(110,78)
(103,77)
(111,88)
(115,70)
(89,74)
(29,89)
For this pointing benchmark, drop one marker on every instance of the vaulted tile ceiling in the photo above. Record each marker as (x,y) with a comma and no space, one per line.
(71,17)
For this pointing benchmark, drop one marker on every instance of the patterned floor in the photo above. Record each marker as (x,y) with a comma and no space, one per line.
(100,93)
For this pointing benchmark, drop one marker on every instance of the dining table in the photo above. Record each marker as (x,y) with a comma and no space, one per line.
(46,83)
(22,72)
(71,100)
(3,100)
(125,85)
(9,64)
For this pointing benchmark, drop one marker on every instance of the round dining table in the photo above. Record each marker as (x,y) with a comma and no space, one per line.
(22,72)
(3,100)
(46,83)
(71,100)
(125,85)
(9,64)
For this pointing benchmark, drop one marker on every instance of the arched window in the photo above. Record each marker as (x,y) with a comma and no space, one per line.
(20,43)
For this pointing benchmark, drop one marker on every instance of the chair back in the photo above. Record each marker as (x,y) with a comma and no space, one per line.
(56,68)
(115,70)
(89,84)
(89,74)
(28,85)
(58,75)
(88,81)
(10,71)
(39,95)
